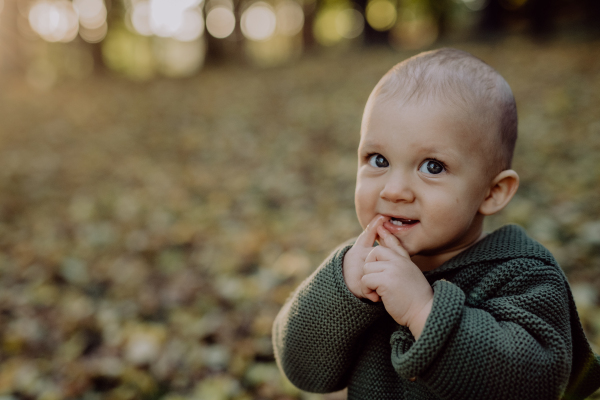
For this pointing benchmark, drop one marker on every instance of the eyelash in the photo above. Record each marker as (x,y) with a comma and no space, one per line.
(368,157)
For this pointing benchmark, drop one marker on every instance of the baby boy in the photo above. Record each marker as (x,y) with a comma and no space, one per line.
(439,309)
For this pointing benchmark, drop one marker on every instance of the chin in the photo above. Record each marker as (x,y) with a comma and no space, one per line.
(422,249)
(411,249)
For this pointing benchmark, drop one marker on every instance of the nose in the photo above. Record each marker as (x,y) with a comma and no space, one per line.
(397,190)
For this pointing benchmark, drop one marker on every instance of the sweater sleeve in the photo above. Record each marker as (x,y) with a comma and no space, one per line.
(316,335)
(515,345)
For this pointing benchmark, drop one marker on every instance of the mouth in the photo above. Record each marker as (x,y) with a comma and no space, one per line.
(400,225)
(402,221)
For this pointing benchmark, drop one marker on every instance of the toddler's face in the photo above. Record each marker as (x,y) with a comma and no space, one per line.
(423,167)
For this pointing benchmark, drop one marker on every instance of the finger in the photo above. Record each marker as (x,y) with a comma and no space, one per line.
(381,253)
(368,292)
(373,255)
(373,267)
(370,283)
(373,296)
(391,242)
(368,236)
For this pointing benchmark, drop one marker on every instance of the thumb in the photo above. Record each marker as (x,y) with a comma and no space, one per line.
(391,242)
(373,296)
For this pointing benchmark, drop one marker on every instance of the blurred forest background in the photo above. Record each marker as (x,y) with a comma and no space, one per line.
(170,170)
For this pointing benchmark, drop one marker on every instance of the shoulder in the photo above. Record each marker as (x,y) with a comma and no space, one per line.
(506,263)
(509,245)
(511,242)
(513,251)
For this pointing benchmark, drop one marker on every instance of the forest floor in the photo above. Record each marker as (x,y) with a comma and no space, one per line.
(150,232)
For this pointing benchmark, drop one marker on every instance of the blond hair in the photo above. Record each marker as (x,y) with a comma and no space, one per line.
(458,78)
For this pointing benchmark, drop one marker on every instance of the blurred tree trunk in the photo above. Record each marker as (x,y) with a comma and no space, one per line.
(592,13)
(96,51)
(491,19)
(11,56)
(230,48)
(439,10)
(115,14)
(541,14)
(308,38)
(372,36)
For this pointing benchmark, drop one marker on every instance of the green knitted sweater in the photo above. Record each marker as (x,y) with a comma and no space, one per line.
(503,326)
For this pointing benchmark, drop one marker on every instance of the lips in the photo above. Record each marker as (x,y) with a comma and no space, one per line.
(403,221)
(398,224)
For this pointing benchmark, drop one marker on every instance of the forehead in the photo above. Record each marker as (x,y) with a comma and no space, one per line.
(430,127)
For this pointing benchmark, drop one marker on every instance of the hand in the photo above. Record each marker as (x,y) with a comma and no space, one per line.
(354,260)
(389,274)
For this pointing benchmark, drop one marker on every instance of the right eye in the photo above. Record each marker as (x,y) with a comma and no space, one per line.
(378,161)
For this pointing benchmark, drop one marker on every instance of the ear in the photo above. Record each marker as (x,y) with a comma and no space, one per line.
(503,188)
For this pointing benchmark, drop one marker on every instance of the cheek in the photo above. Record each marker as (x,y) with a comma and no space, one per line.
(365,201)
(463,195)
(448,210)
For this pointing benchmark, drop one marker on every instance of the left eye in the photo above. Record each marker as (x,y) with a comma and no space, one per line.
(378,161)
(432,167)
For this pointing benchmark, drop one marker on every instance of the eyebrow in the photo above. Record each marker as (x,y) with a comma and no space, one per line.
(441,152)
(371,145)
(423,149)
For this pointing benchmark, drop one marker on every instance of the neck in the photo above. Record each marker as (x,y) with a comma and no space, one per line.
(433,261)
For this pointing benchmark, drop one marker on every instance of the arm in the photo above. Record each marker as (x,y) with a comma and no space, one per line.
(317,333)
(516,345)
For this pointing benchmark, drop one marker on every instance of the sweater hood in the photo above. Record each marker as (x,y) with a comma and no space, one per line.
(505,243)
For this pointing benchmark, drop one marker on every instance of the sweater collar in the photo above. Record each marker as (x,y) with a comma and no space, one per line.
(506,243)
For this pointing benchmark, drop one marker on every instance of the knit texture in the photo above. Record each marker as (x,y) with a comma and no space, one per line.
(503,325)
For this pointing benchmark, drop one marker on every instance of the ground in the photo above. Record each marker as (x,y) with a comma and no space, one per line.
(151,231)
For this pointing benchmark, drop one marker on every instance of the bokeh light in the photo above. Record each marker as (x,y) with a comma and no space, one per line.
(475,5)
(381,14)
(178,59)
(140,18)
(95,35)
(290,17)
(220,21)
(324,28)
(258,21)
(165,17)
(129,54)
(192,26)
(180,19)
(92,13)
(349,23)
(54,21)
(338,22)
(273,33)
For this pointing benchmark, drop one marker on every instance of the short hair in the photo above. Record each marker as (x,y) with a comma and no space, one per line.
(461,79)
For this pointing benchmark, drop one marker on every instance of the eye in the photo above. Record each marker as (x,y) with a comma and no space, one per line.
(378,161)
(432,167)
